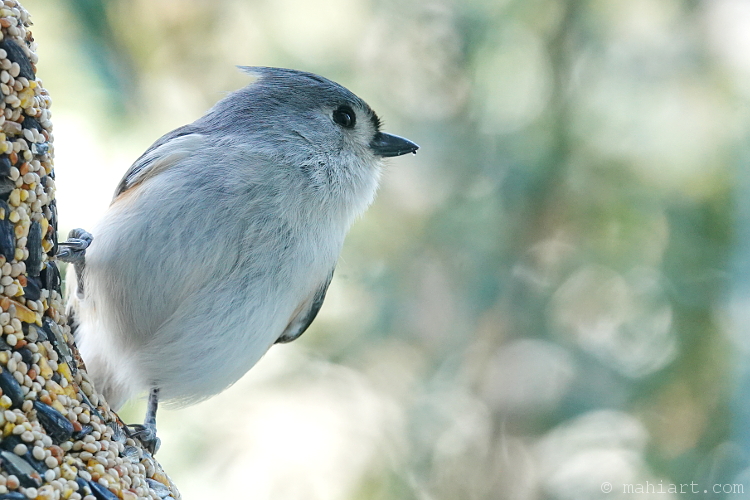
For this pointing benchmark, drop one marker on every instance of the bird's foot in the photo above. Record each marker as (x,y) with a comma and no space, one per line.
(74,249)
(146,434)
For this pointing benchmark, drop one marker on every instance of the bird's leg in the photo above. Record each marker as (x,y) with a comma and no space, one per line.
(73,251)
(153,405)
(146,433)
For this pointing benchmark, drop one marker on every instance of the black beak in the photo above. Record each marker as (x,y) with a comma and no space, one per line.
(392,145)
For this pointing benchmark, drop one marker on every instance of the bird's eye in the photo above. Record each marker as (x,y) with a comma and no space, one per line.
(344,116)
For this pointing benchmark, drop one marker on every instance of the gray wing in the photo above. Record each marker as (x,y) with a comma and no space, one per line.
(305,314)
(168,150)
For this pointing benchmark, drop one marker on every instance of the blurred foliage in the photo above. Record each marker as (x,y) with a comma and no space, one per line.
(551,295)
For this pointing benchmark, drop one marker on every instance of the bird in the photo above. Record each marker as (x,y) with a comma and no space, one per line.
(222,238)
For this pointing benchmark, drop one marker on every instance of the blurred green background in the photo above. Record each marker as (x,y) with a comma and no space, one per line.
(552,295)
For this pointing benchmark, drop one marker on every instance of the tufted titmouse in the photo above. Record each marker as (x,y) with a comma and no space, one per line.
(222,237)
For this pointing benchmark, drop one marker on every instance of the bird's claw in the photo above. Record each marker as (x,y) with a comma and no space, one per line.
(73,250)
(146,434)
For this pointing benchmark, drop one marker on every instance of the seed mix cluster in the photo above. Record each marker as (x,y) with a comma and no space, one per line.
(59,438)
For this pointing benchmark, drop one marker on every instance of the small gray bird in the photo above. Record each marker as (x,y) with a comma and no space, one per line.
(222,238)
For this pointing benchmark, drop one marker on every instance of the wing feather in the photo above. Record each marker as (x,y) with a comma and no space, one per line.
(164,153)
(305,313)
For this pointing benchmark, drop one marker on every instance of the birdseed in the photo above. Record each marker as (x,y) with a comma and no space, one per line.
(59,437)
